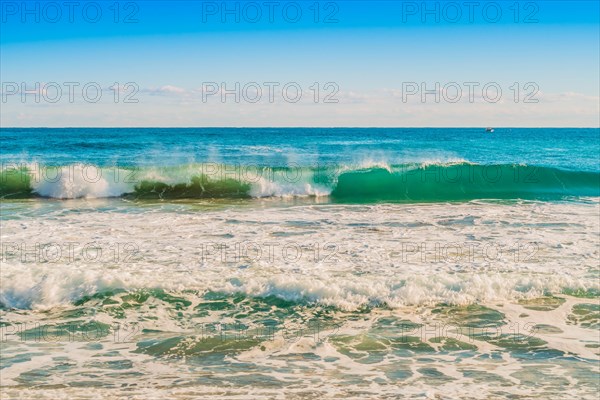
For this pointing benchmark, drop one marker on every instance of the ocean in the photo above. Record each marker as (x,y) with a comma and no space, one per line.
(300,263)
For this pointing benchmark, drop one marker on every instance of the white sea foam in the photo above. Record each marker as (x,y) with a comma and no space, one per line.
(177,253)
(79,181)
(270,188)
(366,267)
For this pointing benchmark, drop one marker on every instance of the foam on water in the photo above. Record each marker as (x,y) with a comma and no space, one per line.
(370,301)
(360,261)
(79,181)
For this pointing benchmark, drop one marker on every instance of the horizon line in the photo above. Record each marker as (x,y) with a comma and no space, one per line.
(300,127)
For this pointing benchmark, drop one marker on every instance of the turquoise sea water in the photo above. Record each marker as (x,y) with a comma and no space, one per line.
(344,164)
(568,148)
(300,263)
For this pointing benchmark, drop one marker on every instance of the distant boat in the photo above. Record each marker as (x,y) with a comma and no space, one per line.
(489,130)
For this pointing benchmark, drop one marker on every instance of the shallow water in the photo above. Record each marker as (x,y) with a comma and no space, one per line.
(298,294)
(352,300)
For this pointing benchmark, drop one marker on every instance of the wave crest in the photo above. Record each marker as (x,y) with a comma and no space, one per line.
(430,181)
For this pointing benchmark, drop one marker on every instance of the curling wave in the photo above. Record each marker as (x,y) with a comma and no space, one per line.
(378,182)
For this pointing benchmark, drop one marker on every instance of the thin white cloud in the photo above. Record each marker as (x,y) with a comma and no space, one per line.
(165,90)
(171,105)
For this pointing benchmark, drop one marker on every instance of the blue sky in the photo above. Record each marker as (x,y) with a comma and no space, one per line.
(370,51)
